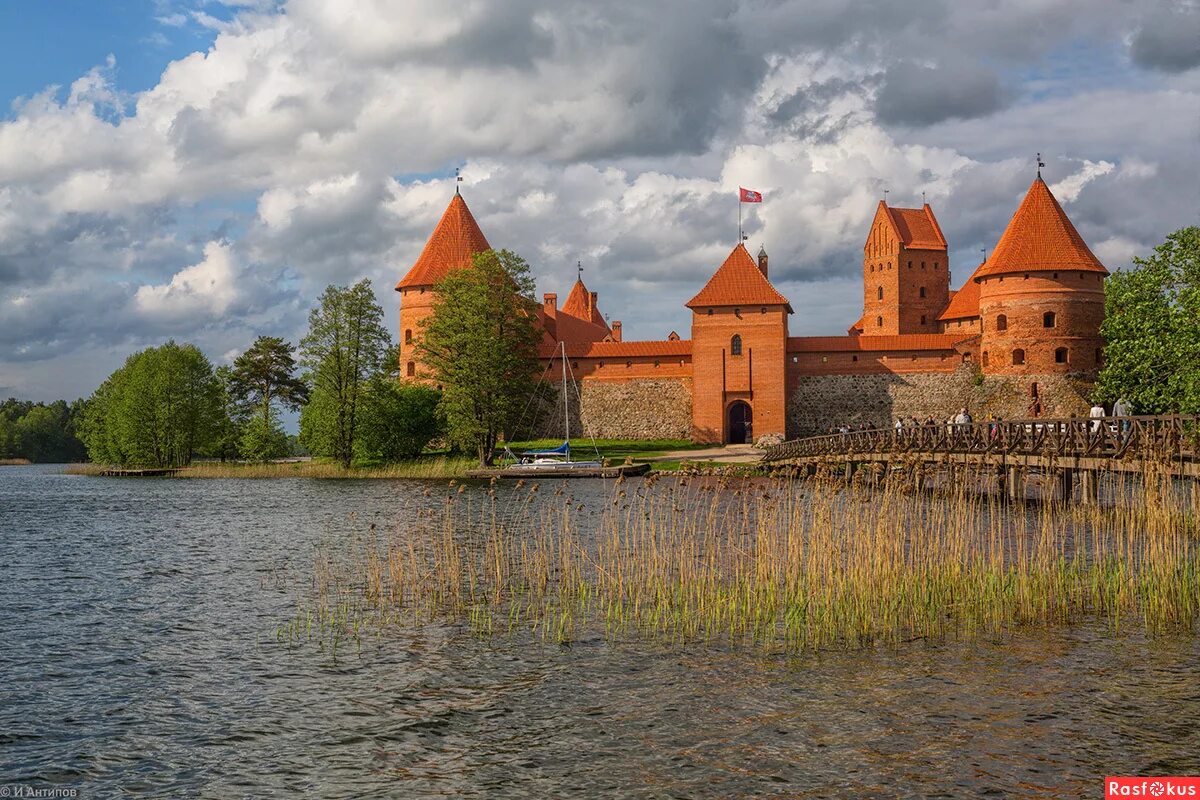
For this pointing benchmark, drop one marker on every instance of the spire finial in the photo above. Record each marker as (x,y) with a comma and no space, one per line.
(885,194)
(457,180)
(984,251)
(1040,164)
(579,271)
(924,202)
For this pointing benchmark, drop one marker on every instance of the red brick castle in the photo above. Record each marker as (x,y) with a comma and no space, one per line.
(1021,336)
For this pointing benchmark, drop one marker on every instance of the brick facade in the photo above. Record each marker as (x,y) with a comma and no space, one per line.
(1025,323)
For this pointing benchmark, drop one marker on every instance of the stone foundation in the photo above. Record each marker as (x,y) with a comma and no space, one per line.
(820,402)
(649,408)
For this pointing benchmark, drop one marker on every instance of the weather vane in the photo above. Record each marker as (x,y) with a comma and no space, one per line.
(457,179)
(885,194)
(984,251)
(1040,164)
(579,270)
(923,201)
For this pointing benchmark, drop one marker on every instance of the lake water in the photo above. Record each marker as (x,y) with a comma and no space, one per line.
(139,657)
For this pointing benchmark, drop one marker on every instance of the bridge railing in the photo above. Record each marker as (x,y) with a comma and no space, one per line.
(1169,436)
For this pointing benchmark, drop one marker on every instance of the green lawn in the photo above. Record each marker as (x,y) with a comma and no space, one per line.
(615,449)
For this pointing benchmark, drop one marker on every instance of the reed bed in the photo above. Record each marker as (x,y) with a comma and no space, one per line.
(15,462)
(782,566)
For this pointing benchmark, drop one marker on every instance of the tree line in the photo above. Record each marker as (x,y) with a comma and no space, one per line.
(40,432)
(167,405)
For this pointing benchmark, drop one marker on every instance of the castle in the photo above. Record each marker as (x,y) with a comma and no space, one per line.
(1020,338)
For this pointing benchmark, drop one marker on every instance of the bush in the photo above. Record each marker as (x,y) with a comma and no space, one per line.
(398,420)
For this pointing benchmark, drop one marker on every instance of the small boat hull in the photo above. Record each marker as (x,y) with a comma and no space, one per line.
(578,470)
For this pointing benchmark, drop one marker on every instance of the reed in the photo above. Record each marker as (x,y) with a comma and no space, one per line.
(14,462)
(782,566)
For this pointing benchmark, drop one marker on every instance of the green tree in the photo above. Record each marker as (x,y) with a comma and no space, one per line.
(262,378)
(159,409)
(398,420)
(1152,329)
(480,342)
(345,345)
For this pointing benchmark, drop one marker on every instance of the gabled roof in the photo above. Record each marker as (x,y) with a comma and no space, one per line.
(739,282)
(577,305)
(666,349)
(1040,237)
(915,228)
(454,240)
(965,302)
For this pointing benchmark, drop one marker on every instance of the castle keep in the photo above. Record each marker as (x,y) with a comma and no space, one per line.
(1021,337)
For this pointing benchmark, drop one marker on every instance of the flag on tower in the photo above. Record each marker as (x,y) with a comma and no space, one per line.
(750,196)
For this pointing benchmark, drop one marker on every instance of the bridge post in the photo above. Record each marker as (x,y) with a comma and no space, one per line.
(1015,490)
(1062,485)
(1089,486)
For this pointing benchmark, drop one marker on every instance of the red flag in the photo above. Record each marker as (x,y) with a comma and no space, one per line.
(749,195)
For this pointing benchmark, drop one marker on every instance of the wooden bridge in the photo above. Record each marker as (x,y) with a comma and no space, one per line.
(1063,448)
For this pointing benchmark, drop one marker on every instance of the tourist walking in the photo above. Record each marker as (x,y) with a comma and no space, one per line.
(1096,414)
(1121,408)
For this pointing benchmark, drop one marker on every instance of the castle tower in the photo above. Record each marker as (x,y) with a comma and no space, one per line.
(455,239)
(906,275)
(739,344)
(1041,294)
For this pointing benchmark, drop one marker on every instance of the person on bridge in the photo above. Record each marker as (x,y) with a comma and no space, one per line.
(1121,408)
(1096,414)
(963,418)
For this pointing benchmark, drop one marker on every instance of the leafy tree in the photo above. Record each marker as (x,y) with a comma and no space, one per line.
(159,409)
(226,442)
(345,345)
(40,432)
(261,378)
(480,343)
(1152,329)
(398,420)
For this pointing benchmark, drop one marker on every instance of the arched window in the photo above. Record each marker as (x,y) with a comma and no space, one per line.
(922,291)
(1018,357)
(1061,356)
(710,312)
(985,358)
(1001,322)
(922,319)
(879,293)
(1048,319)
(735,345)
(408,336)
(879,322)
(411,369)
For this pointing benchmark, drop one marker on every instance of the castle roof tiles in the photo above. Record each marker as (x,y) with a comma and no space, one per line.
(739,282)
(1040,237)
(663,348)
(964,303)
(454,240)
(916,228)
(906,341)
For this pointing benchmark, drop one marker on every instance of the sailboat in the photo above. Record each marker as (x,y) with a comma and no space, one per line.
(558,459)
(556,462)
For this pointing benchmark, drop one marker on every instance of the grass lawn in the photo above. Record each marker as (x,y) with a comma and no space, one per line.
(615,449)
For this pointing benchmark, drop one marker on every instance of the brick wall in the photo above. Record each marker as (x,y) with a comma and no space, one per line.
(821,401)
(638,408)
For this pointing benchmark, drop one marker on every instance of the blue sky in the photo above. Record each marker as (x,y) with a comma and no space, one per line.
(314,142)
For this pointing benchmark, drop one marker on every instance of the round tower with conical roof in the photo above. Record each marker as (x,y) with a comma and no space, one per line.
(1041,295)
(453,242)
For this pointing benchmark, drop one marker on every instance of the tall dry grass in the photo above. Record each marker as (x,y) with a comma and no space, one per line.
(794,567)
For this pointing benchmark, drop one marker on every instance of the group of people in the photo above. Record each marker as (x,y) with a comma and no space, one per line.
(963,417)
(1121,408)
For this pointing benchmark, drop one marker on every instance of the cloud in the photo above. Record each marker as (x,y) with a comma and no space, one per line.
(1168,38)
(1067,190)
(207,287)
(920,95)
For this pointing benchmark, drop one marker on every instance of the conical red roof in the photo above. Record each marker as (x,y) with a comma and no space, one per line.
(454,240)
(964,303)
(739,282)
(577,305)
(1040,237)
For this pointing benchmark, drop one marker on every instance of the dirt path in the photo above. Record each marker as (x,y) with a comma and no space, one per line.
(728,454)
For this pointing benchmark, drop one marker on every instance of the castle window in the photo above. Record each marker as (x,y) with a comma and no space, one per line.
(656,363)
(1056,276)
(574,365)
(935,265)
(1026,276)
(408,336)
(1001,322)
(795,359)
(1062,356)
(879,322)
(628,364)
(824,359)
(737,312)
(1048,319)
(1018,357)
(762,310)
(985,358)
(879,293)
(922,291)
(854,358)
(735,345)
(910,265)
(710,312)
(872,268)
(922,319)
(922,265)
(411,369)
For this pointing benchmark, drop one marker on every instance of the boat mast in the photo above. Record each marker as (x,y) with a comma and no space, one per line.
(566,412)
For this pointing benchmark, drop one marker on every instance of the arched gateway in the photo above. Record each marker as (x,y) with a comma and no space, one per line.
(739,429)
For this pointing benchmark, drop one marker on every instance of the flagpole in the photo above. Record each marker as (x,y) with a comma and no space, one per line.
(739,216)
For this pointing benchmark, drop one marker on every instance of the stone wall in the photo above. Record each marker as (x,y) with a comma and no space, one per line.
(639,408)
(822,401)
